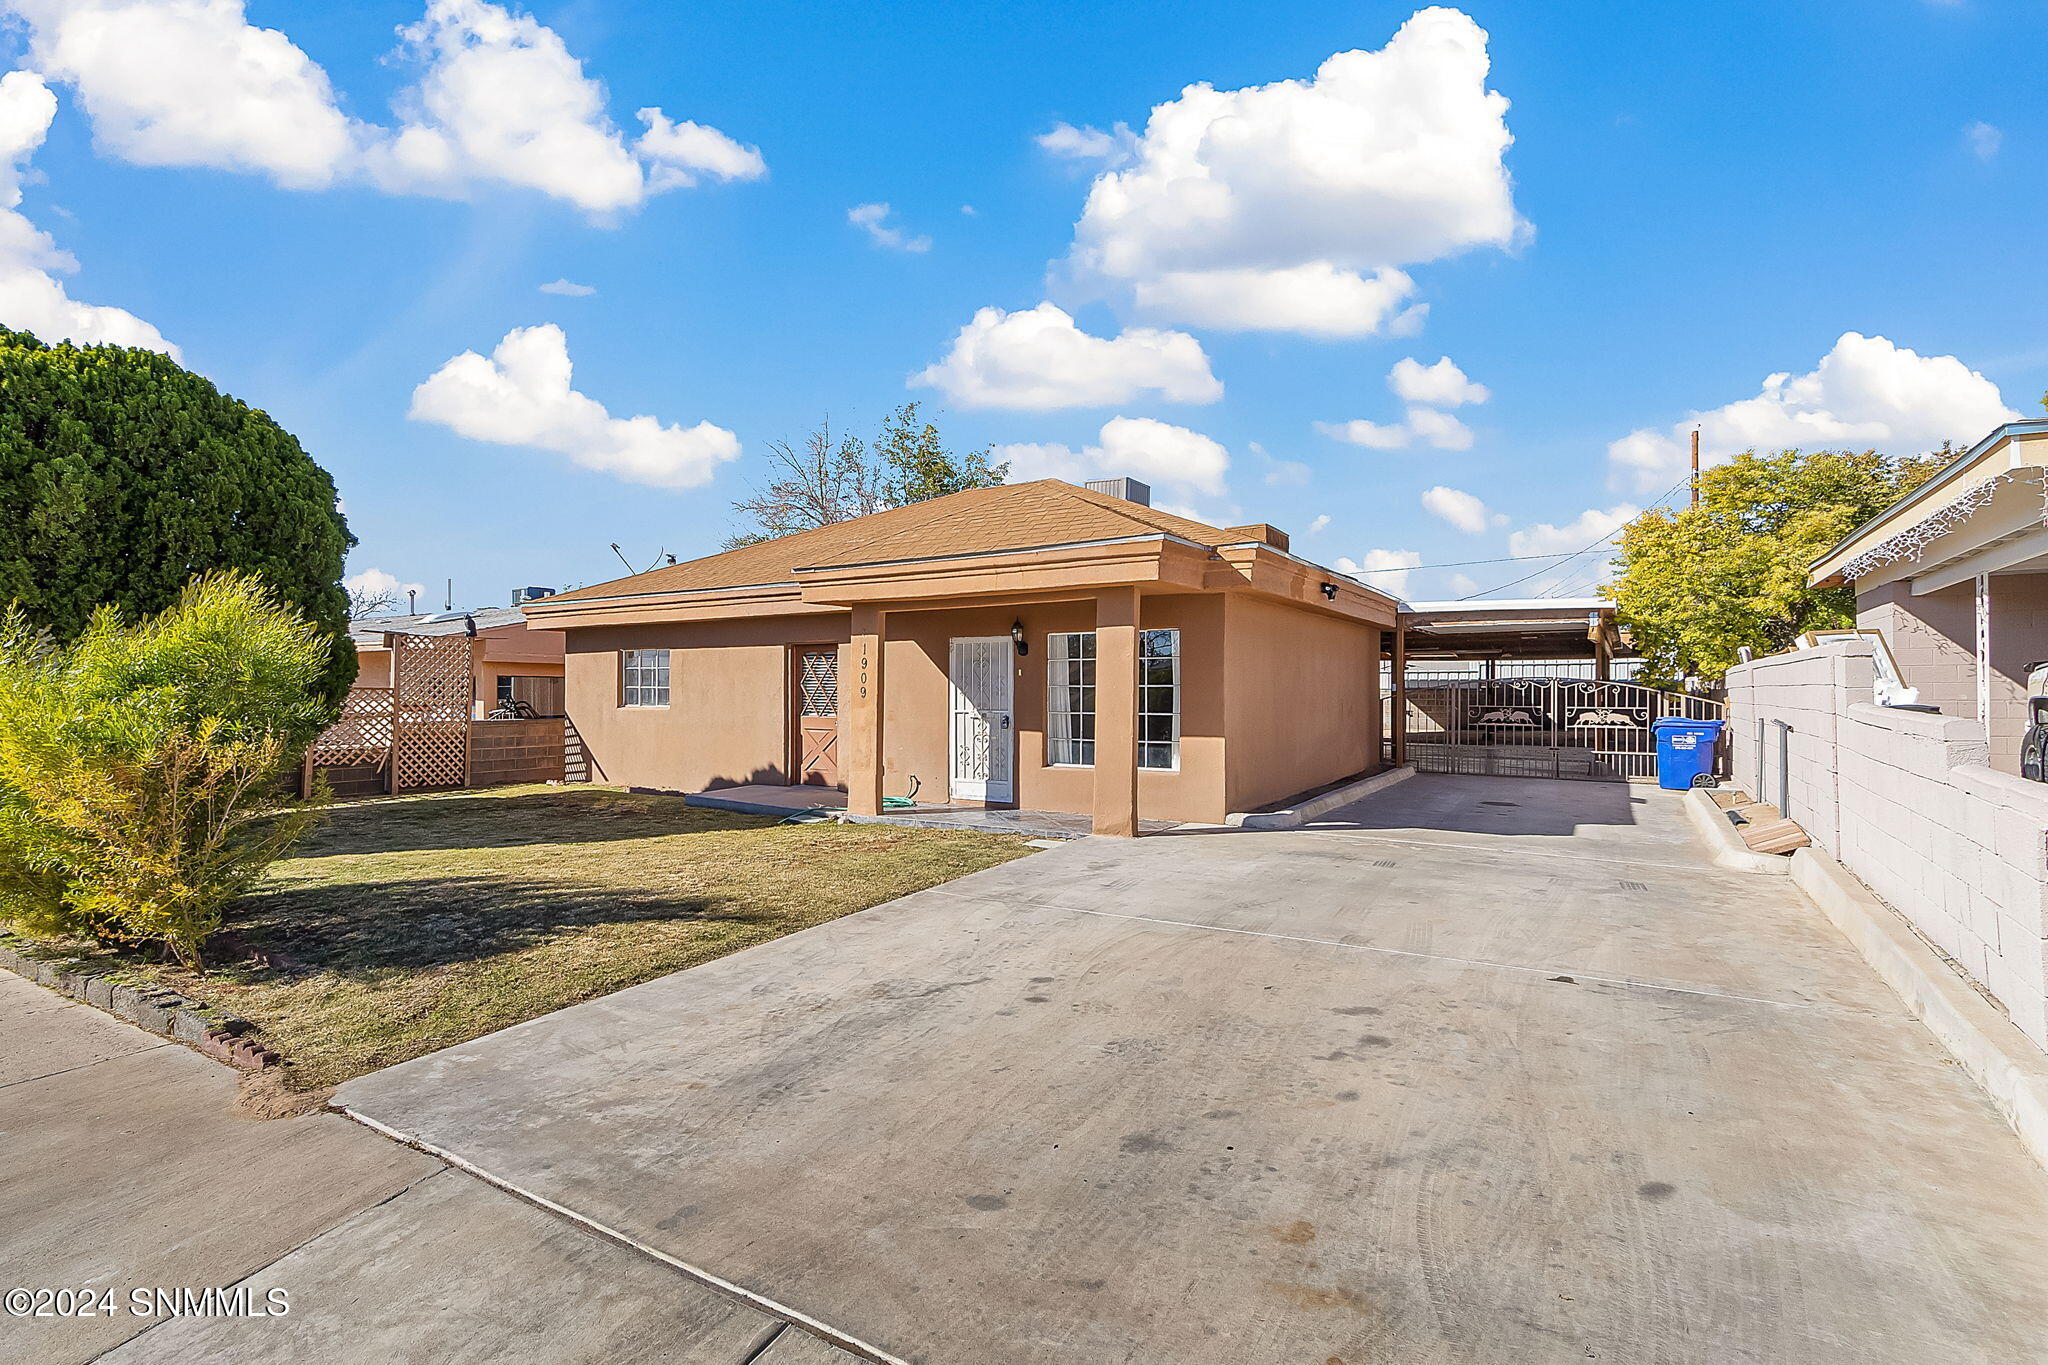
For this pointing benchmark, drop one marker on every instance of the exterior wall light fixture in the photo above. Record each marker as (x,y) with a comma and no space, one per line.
(1017,638)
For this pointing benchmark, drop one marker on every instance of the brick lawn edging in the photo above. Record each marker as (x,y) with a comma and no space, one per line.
(218,1034)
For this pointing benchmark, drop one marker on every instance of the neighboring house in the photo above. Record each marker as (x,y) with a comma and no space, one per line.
(1955,577)
(1038,645)
(1926,806)
(512,660)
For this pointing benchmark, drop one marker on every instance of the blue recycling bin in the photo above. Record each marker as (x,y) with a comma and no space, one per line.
(1685,752)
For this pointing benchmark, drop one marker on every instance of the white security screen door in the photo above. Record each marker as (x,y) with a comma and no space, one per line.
(981,731)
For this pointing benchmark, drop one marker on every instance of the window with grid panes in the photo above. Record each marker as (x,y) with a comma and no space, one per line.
(1070,699)
(643,677)
(1159,699)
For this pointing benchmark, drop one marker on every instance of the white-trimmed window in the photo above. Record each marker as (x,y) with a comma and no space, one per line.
(643,677)
(1070,699)
(1159,699)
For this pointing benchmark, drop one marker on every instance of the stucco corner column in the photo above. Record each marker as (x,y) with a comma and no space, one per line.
(860,742)
(1116,712)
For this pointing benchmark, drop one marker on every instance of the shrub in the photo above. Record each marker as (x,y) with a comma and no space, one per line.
(142,766)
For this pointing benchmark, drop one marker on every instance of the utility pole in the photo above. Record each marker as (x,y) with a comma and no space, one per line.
(1695,466)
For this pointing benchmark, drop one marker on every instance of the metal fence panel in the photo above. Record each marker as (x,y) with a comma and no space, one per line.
(1540,727)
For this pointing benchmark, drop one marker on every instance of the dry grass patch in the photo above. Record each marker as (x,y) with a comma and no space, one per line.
(407,925)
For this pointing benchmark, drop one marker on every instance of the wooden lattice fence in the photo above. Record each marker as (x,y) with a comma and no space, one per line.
(433,686)
(410,736)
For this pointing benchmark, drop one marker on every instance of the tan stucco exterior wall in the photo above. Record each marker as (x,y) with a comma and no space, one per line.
(727,722)
(1302,695)
(917,702)
(1274,700)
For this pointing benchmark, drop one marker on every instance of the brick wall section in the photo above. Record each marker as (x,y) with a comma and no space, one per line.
(502,751)
(1906,801)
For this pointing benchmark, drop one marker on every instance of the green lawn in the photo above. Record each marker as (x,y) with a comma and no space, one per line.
(407,925)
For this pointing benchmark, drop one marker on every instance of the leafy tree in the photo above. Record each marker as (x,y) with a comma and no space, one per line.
(1697,583)
(825,483)
(916,464)
(141,766)
(816,486)
(123,476)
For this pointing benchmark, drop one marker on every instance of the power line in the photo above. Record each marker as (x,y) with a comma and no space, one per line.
(1485,592)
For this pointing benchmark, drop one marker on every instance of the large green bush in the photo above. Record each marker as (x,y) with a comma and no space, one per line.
(123,476)
(142,766)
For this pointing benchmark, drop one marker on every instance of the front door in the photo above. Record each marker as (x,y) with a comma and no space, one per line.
(814,687)
(982,741)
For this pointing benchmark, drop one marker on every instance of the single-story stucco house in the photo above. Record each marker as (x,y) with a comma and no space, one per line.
(1038,645)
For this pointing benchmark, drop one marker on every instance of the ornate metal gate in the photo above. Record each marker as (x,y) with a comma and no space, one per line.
(1540,727)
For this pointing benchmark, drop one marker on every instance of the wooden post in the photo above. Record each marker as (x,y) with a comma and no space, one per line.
(1116,713)
(1400,694)
(860,711)
(1695,466)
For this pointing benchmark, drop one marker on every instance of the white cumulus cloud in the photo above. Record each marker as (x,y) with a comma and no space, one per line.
(1866,393)
(521,395)
(1387,570)
(1425,426)
(193,83)
(1153,451)
(1442,385)
(499,99)
(374,583)
(1427,390)
(32,297)
(1038,360)
(1118,147)
(1459,509)
(568,289)
(873,219)
(1295,206)
(1591,527)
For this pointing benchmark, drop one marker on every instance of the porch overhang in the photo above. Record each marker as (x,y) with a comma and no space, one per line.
(1991,497)
(1150,564)
(1538,628)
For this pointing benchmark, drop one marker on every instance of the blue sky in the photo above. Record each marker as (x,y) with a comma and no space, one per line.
(1695,198)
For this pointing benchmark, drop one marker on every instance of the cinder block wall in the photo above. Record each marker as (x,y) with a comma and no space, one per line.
(1906,801)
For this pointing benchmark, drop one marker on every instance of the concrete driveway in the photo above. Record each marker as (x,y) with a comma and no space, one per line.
(1480,1070)
(123,1168)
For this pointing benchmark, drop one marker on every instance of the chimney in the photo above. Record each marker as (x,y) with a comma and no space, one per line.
(1130,490)
(520,595)
(1262,533)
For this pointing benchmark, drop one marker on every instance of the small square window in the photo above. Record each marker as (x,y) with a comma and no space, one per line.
(643,677)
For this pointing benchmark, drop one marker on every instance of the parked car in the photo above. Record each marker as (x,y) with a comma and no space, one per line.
(2034,748)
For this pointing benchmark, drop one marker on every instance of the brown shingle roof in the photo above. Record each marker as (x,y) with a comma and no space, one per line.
(1020,516)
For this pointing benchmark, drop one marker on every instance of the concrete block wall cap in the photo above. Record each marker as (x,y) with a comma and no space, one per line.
(1723,840)
(2009,1065)
(2003,789)
(1296,816)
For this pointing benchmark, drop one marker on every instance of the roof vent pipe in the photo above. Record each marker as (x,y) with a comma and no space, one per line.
(1130,490)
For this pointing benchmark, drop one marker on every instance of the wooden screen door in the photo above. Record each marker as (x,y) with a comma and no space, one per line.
(814,679)
(980,732)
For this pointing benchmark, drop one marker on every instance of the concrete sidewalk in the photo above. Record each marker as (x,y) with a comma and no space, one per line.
(123,1167)
(1480,1070)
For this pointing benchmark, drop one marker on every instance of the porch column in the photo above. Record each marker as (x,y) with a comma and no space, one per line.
(1400,717)
(1116,712)
(860,708)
